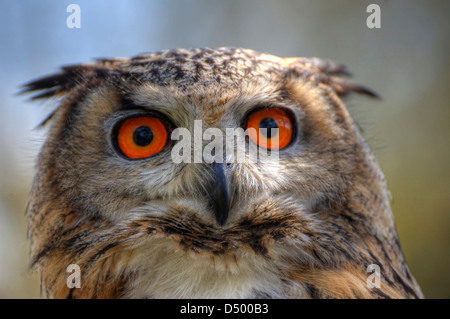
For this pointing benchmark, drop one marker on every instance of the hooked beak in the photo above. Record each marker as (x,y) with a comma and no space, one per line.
(219,193)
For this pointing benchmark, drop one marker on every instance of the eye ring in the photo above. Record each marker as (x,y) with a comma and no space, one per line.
(141,137)
(260,123)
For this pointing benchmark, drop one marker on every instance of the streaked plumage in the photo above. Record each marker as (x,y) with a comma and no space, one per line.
(144,229)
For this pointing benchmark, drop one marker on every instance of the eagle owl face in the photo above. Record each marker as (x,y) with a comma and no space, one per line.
(110,196)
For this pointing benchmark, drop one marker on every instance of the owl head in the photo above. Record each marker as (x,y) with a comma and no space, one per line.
(137,184)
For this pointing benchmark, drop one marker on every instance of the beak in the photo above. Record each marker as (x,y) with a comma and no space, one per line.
(219,193)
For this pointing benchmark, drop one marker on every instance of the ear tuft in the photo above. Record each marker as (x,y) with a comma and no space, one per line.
(344,86)
(59,84)
(327,72)
(53,84)
(68,79)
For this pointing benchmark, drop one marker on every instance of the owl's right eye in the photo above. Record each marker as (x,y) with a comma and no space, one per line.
(141,137)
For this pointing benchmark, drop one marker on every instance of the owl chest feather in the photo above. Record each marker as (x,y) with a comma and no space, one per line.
(162,270)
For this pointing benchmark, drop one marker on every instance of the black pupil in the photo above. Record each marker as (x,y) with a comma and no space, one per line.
(268,123)
(142,136)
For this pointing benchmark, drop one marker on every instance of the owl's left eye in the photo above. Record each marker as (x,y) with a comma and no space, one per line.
(141,137)
(261,124)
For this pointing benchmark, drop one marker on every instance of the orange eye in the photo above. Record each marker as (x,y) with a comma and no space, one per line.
(140,137)
(261,123)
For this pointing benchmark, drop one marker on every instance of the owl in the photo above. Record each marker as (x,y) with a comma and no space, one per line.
(112,197)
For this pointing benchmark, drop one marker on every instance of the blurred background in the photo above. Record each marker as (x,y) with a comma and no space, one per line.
(406,61)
